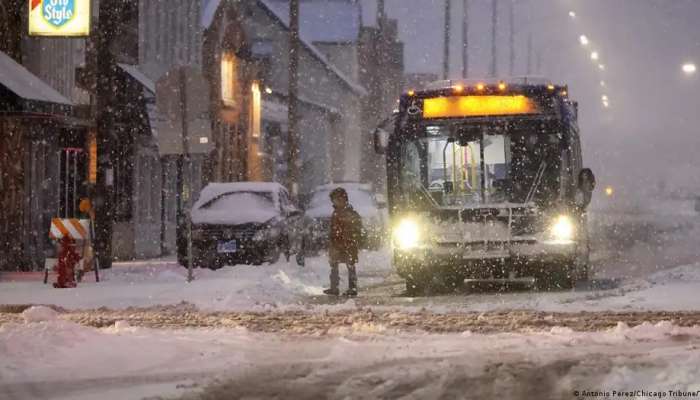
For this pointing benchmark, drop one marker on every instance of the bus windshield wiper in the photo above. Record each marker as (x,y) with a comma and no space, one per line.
(536,183)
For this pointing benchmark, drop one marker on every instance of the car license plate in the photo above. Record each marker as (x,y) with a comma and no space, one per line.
(227,247)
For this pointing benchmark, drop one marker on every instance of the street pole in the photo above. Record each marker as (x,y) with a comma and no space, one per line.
(293,115)
(380,11)
(529,53)
(446,60)
(465,40)
(104,65)
(511,22)
(494,25)
(185,159)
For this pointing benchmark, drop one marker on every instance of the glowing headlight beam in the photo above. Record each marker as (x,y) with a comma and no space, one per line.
(563,229)
(406,234)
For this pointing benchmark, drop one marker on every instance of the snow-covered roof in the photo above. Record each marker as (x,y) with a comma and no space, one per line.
(139,76)
(208,11)
(26,85)
(335,21)
(280,13)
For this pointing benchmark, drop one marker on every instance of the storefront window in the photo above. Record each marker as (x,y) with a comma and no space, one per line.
(228,79)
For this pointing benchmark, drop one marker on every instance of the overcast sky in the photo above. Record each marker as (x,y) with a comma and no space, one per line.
(652,130)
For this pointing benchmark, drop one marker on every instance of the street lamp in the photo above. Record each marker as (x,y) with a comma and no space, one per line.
(595,56)
(584,40)
(689,69)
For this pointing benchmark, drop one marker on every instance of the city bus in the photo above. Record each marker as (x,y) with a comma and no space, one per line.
(485,180)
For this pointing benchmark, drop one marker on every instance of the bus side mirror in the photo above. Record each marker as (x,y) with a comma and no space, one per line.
(381,140)
(586,185)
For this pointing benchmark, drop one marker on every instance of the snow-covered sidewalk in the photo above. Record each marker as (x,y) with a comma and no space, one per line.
(240,287)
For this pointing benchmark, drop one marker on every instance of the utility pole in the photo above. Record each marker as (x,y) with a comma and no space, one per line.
(529,53)
(183,159)
(106,144)
(465,40)
(446,60)
(293,114)
(511,22)
(494,25)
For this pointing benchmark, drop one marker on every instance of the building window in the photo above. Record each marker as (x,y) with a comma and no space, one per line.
(228,79)
(255,116)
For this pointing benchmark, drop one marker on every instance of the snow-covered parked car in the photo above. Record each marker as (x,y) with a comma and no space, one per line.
(241,222)
(318,213)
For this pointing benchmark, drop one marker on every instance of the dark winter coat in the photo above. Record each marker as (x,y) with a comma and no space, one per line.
(345,236)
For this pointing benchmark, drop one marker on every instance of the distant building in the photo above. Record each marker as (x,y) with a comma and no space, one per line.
(381,71)
(330,99)
(372,56)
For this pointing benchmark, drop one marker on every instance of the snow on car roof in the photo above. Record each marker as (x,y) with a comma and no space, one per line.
(360,196)
(213,190)
(243,209)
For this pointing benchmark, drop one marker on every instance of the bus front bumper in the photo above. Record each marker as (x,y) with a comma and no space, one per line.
(449,257)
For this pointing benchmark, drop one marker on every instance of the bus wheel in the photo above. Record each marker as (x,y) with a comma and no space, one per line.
(555,276)
(416,286)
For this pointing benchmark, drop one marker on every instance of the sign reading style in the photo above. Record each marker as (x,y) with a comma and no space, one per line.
(59,17)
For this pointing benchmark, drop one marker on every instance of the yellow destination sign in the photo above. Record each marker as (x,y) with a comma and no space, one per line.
(59,17)
(477,106)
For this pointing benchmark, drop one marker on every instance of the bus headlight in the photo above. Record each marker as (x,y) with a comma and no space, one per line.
(406,234)
(563,229)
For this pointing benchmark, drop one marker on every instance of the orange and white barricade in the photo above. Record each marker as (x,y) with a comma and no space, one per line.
(77,229)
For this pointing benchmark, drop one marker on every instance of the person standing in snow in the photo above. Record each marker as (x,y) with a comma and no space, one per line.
(344,242)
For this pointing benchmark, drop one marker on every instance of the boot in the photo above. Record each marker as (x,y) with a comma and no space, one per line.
(352,292)
(332,292)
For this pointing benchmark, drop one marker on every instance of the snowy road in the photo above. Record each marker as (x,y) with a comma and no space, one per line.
(46,357)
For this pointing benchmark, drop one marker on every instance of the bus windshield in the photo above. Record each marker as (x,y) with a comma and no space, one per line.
(492,167)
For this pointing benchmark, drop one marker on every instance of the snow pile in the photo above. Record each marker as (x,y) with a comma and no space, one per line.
(685,273)
(39,314)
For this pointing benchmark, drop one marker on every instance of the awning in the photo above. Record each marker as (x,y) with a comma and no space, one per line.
(23,92)
(149,95)
(139,77)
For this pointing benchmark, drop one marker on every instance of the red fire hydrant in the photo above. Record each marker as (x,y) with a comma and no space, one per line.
(67,260)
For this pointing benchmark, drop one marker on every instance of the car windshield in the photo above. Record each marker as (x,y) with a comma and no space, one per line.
(490,168)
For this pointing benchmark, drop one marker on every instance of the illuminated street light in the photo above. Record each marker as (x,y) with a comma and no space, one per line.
(606,104)
(595,56)
(604,97)
(602,83)
(689,69)
(609,191)
(572,14)
(601,67)
(584,40)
